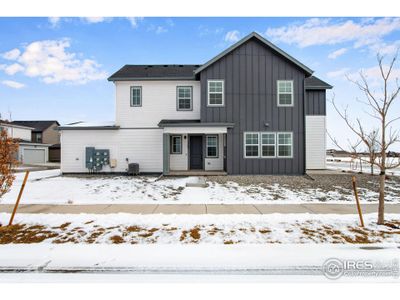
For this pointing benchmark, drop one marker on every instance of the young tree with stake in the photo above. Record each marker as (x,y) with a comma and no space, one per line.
(8,150)
(378,106)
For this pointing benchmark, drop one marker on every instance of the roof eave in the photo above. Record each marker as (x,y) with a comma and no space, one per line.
(319,87)
(149,78)
(265,41)
(88,127)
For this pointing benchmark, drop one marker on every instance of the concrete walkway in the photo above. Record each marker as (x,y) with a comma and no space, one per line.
(319,208)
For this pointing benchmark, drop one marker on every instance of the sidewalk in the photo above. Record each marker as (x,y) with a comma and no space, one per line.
(316,208)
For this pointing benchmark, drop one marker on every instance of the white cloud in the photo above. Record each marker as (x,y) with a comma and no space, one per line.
(54,21)
(386,48)
(232,36)
(161,29)
(12,69)
(12,54)
(374,76)
(337,53)
(134,21)
(13,84)
(94,20)
(317,31)
(51,62)
(338,73)
(204,31)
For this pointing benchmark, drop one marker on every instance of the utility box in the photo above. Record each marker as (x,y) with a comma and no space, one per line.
(97,158)
(133,169)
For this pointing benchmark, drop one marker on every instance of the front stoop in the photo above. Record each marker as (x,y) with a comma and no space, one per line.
(200,182)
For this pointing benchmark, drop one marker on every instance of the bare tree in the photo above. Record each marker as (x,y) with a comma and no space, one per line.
(8,151)
(378,141)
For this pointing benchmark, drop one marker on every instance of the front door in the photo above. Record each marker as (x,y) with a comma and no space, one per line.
(196,152)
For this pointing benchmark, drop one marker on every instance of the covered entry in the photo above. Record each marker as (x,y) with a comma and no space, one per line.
(192,147)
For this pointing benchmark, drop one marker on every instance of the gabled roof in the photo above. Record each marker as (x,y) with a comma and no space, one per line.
(264,41)
(37,126)
(314,83)
(161,72)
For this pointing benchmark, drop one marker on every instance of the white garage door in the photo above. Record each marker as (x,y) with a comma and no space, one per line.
(34,156)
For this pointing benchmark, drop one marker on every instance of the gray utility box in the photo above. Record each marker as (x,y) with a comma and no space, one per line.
(133,169)
(97,158)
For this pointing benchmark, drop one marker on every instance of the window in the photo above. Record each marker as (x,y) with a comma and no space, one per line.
(176,144)
(285,93)
(37,137)
(136,96)
(215,93)
(251,144)
(268,144)
(212,146)
(184,97)
(285,144)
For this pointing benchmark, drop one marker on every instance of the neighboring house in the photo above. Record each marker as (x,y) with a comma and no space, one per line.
(29,152)
(45,132)
(252,109)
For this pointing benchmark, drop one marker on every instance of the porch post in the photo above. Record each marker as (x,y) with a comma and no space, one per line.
(166,153)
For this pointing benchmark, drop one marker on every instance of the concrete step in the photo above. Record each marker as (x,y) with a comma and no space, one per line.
(199,182)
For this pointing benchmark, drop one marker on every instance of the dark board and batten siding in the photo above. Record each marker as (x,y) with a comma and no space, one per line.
(251,72)
(315,102)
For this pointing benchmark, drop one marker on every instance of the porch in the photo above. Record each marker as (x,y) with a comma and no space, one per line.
(192,148)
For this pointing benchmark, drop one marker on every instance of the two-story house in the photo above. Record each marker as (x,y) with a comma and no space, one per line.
(252,109)
(30,152)
(44,132)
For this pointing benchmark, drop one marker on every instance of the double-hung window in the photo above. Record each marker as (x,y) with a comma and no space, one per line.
(268,144)
(176,144)
(251,144)
(184,97)
(136,96)
(215,93)
(212,146)
(285,93)
(285,144)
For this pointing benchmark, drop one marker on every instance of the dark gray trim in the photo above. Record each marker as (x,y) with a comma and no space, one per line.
(318,88)
(171,144)
(191,98)
(152,79)
(228,125)
(89,128)
(166,153)
(263,40)
(141,95)
(212,135)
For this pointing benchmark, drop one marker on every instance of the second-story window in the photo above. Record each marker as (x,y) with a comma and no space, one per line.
(285,93)
(136,96)
(184,97)
(215,93)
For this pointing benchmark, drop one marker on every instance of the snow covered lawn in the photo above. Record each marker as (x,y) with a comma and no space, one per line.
(197,229)
(49,187)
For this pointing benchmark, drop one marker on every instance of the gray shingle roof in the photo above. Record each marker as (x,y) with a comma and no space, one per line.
(162,72)
(314,83)
(37,125)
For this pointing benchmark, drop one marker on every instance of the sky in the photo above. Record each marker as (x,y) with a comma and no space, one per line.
(57,68)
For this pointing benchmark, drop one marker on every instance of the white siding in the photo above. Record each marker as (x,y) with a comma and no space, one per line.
(23,147)
(216,164)
(143,146)
(18,133)
(179,162)
(158,102)
(315,142)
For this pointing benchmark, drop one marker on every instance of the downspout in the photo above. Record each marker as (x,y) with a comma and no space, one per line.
(304,125)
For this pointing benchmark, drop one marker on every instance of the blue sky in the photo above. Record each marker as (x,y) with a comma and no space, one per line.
(56,68)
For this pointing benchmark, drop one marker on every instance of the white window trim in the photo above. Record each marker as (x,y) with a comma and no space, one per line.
(216,146)
(277,144)
(141,95)
(261,143)
(191,98)
(172,145)
(244,144)
(284,93)
(223,92)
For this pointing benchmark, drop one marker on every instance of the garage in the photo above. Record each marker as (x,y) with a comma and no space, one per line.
(34,156)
